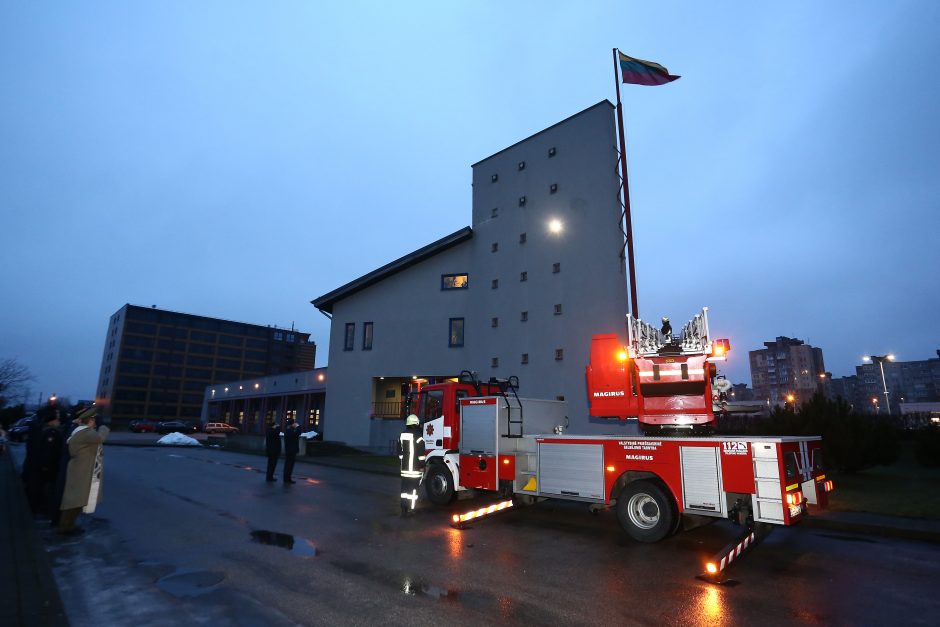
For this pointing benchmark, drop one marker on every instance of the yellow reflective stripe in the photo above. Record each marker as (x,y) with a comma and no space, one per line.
(793,487)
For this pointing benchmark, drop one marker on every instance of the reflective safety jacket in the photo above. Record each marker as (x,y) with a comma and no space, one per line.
(411,452)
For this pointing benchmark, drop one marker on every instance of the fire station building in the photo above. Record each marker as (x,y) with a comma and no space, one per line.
(518,292)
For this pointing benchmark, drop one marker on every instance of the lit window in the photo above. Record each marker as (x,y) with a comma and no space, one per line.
(366,336)
(455,332)
(350,336)
(455,281)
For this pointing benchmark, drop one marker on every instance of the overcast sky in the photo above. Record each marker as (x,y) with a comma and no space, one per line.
(237,159)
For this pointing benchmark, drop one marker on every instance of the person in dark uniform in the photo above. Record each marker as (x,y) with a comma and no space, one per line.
(272,446)
(411,454)
(50,453)
(32,463)
(291,447)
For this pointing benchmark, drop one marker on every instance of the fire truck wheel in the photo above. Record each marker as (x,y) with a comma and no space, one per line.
(645,511)
(440,485)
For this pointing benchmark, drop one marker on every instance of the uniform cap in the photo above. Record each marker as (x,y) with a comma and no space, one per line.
(411,421)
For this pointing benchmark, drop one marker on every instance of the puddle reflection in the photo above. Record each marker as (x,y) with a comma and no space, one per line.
(298,546)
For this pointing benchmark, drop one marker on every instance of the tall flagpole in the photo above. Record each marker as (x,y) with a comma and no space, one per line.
(626,195)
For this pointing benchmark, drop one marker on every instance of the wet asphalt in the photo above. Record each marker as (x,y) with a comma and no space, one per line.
(197,537)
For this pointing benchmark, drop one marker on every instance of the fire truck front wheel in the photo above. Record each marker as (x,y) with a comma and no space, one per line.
(440,485)
(646,511)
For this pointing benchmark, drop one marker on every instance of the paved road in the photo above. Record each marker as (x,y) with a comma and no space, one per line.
(190,537)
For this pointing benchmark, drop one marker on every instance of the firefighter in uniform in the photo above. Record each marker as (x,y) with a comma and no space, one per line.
(411,454)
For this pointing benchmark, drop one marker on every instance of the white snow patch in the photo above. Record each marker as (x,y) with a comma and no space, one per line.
(178,439)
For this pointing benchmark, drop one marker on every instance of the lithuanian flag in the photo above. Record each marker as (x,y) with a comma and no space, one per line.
(640,72)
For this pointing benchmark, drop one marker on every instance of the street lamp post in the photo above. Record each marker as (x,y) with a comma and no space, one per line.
(880,360)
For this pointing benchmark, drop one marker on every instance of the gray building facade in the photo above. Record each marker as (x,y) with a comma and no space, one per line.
(787,367)
(519,292)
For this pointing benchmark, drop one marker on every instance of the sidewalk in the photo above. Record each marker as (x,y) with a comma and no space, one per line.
(28,592)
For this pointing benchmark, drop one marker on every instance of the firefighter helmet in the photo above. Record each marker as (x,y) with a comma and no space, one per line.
(411,421)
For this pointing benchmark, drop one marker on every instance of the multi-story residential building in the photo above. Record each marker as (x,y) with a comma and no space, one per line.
(906,382)
(519,292)
(787,367)
(156,364)
(847,389)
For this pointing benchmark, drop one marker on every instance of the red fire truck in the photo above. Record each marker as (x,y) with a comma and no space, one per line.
(483,437)
(666,382)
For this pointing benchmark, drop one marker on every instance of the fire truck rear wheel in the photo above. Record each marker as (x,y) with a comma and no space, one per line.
(646,512)
(440,485)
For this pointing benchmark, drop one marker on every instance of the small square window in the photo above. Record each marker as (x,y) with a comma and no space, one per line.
(523,276)
(494,284)
(524,317)
(525,358)
(553,188)
(494,178)
(522,238)
(495,212)
(494,322)
(522,201)
(556,267)
(494,362)
(558,309)
(495,247)
(522,165)
(559,354)
(551,152)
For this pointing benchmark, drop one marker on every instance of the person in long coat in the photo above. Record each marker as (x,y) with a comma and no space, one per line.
(291,448)
(83,477)
(272,446)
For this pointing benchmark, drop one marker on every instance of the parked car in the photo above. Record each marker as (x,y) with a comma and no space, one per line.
(142,426)
(20,428)
(174,426)
(220,427)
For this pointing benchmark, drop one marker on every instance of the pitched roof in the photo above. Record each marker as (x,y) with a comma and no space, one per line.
(325,303)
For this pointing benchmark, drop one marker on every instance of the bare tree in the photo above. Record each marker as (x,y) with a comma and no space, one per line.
(13,376)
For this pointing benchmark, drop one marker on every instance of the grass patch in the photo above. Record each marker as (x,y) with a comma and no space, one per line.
(904,489)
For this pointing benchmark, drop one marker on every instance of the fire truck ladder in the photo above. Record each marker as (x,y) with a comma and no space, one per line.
(646,340)
(508,390)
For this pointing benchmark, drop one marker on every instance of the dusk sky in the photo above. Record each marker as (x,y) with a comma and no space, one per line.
(237,160)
